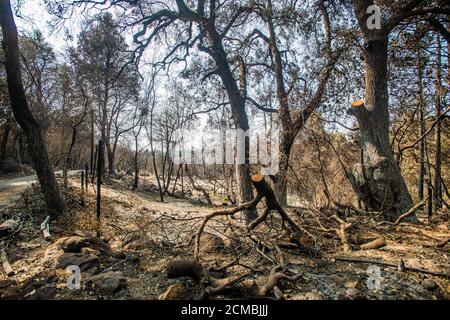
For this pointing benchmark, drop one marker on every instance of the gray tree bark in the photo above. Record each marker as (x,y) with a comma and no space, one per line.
(378,181)
(437,188)
(420,188)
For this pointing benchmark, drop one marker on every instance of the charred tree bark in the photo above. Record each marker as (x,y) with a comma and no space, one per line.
(378,182)
(92,144)
(37,148)
(100,171)
(110,155)
(136,163)
(437,194)
(421,187)
(6,131)
(237,102)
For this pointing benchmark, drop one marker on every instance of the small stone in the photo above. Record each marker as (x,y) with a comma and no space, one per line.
(71,244)
(429,284)
(312,295)
(211,243)
(7,283)
(358,284)
(174,292)
(108,282)
(353,294)
(46,292)
(8,227)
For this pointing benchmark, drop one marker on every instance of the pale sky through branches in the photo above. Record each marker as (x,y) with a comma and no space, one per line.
(32,15)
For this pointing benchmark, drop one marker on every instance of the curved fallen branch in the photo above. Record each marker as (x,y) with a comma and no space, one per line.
(411,211)
(374,244)
(389,264)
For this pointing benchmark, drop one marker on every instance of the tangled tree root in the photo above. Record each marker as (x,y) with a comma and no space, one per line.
(241,286)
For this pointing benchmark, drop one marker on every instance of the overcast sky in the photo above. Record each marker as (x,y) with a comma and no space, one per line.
(32,15)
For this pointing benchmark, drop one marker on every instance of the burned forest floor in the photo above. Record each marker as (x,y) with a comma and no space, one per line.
(140,237)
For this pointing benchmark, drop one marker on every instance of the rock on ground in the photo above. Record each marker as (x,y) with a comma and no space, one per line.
(71,244)
(211,243)
(8,227)
(108,282)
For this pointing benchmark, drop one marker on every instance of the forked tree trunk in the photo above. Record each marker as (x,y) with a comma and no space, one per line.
(280,180)
(237,102)
(37,148)
(378,180)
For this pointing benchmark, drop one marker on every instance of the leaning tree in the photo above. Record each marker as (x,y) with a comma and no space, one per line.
(37,148)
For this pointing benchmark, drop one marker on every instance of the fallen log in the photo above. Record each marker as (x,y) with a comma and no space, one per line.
(375,244)
(389,264)
(264,189)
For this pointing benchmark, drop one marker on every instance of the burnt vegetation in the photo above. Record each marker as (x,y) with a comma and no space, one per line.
(352,115)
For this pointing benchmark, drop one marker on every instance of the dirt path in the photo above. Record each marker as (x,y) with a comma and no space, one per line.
(11,188)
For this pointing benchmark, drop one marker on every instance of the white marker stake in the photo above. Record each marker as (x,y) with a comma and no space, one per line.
(45,228)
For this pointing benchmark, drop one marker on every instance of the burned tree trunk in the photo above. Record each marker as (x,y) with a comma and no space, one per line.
(422,128)
(237,102)
(92,144)
(378,181)
(6,131)
(437,194)
(136,160)
(100,171)
(37,148)
(280,180)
